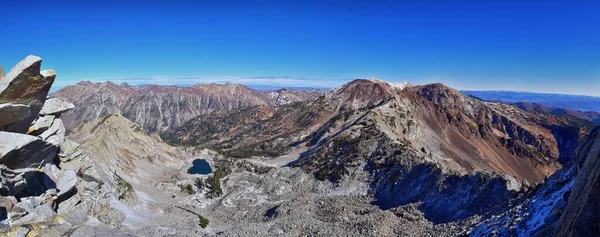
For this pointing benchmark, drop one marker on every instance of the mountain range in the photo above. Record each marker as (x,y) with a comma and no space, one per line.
(571,102)
(159,108)
(369,158)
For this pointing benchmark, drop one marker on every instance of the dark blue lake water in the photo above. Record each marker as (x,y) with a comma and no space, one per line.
(200,166)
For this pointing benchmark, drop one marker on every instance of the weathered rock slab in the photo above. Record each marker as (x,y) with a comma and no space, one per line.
(10,113)
(42,213)
(19,151)
(55,106)
(26,84)
(55,135)
(41,124)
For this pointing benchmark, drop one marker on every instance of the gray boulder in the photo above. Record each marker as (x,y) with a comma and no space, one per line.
(41,124)
(66,181)
(68,204)
(40,214)
(55,106)
(30,203)
(19,151)
(26,84)
(68,150)
(55,135)
(12,113)
(21,232)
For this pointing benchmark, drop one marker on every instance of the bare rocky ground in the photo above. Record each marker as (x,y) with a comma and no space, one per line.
(281,202)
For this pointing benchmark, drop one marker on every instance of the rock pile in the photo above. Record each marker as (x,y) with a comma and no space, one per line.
(40,171)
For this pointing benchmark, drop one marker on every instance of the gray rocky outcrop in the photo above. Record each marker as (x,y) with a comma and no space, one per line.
(34,191)
(581,216)
(55,106)
(12,113)
(26,84)
(18,151)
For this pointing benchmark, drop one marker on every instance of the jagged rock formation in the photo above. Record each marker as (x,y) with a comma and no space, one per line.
(592,116)
(159,108)
(43,182)
(24,85)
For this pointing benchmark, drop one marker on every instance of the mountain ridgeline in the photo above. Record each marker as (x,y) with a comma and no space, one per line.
(429,144)
(446,127)
(369,158)
(159,108)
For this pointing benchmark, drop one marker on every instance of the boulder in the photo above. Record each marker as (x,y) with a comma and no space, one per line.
(65,182)
(68,204)
(1,72)
(41,124)
(30,203)
(68,150)
(12,113)
(19,151)
(55,135)
(55,106)
(21,232)
(40,214)
(8,202)
(26,84)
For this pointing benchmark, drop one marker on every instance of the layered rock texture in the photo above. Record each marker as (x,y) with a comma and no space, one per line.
(159,108)
(23,92)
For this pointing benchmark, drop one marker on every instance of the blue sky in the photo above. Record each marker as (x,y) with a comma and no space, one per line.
(514,45)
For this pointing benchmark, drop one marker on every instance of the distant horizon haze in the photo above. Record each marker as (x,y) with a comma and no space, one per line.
(299,86)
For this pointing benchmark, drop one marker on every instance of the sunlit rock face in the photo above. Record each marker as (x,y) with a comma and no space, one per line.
(160,108)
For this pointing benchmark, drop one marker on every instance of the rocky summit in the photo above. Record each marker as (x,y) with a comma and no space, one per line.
(369,158)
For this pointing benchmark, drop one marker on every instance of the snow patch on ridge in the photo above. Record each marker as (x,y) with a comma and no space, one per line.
(394,85)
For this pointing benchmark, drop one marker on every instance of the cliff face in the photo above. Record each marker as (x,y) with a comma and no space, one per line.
(159,108)
(581,216)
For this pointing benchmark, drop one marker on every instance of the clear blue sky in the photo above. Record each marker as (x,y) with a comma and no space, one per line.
(537,46)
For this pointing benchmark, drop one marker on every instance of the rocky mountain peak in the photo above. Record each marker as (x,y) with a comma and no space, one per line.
(392,85)
(359,93)
(439,93)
